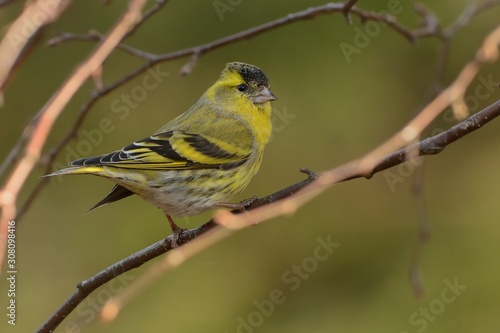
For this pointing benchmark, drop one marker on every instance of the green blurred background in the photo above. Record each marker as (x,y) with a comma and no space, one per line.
(340,110)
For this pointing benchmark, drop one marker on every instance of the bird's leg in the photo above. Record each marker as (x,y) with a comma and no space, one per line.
(238,206)
(176,231)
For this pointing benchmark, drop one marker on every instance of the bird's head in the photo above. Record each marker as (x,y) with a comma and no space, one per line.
(242,83)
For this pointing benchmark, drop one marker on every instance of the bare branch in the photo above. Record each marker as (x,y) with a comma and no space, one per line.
(18,39)
(12,51)
(347,8)
(452,94)
(51,111)
(307,14)
(424,230)
(94,36)
(472,9)
(146,15)
(4,3)
(15,151)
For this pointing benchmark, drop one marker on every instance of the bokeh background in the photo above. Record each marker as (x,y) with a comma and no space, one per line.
(336,110)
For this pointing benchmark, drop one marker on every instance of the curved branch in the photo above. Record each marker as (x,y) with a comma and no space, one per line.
(50,112)
(13,53)
(430,146)
(436,144)
(27,133)
(18,40)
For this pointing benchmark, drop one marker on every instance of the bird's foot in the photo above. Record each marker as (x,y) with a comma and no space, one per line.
(175,239)
(176,232)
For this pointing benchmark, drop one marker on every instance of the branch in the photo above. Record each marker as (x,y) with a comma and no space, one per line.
(347,9)
(430,146)
(14,47)
(94,36)
(146,15)
(453,94)
(141,257)
(18,39)
(27,133)
(52,110)
(472,9)
(4,3)
(307,14)
(436,144)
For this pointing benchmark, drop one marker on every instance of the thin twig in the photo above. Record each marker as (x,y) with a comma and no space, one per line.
(472,9)
(4,3)
(94,36)
(424,230)
(347,8)
(159,4)
(429,25)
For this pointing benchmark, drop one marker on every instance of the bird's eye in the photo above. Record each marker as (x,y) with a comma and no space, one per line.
(242,87)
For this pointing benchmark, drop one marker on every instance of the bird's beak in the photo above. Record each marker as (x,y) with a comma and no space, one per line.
(263,95)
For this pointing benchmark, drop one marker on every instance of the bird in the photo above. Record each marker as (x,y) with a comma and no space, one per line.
(199,160)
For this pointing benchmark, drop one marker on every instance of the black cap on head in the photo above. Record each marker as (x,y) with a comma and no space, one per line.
(249,73)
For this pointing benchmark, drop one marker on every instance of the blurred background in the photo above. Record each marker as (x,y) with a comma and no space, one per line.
(333,106)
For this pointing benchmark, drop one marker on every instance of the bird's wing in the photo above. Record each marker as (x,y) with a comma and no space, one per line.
(173,150)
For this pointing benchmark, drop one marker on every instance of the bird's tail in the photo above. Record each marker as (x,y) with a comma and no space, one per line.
(87,170)
(117,193)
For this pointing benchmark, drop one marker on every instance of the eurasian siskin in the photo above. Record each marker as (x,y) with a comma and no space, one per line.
(200,159)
